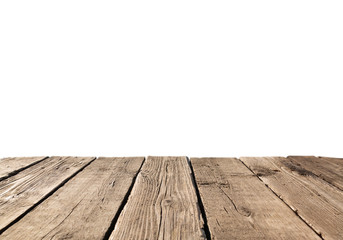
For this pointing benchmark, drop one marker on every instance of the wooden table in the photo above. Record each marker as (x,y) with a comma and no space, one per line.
(171,198)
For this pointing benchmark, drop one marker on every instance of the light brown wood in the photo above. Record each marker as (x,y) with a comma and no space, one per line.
(11,166)
(22,191)
(84,207)
(163,203)
(316,201)
(329,169)
(239,206)
(252,198)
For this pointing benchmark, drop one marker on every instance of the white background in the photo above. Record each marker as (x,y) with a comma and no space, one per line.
(195,78)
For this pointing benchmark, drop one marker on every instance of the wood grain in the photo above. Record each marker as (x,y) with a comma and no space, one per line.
(328,169)
(84,207)
(11,166)
(163,203)
(315,200)
(22,191)
(239,206)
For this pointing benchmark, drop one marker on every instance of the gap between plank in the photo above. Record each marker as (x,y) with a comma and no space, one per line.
(46,196)
(122,205)
(294,210)
(320,177)
(15,172)
(201,205)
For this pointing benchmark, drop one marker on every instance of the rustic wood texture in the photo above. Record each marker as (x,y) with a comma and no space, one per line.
(163,203)
(11,166)
(239,206)
(314,199)
(22,191)
(329,169)
(84,207)
(226,198)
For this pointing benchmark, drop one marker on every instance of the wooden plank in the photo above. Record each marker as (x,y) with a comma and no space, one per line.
(11,166)
(84,207)
(239,206)
(317,202)
(329,169)
(19,193)
(163,203)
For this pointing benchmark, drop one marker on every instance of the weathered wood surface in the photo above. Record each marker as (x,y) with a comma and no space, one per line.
(314,199)
(252,198)
(239,206)
(84,207)
(163,203)
(22,191)
(11,166)
(329,169)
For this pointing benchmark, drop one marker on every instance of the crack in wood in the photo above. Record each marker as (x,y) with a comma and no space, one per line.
(289,206)
(122,205)
(201,205)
